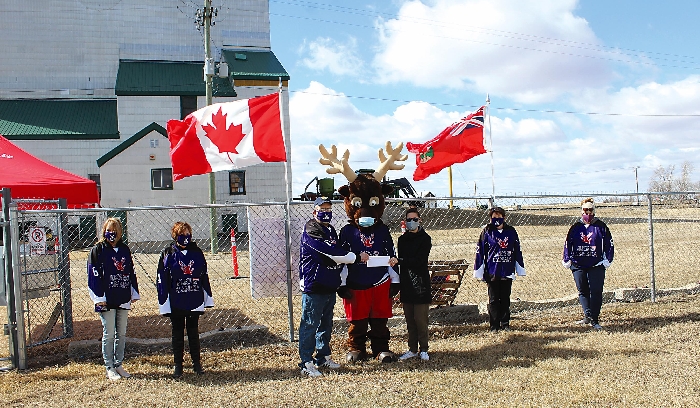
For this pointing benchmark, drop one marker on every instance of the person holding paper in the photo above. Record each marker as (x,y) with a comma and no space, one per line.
(498,261)
(414,249)
(320,263)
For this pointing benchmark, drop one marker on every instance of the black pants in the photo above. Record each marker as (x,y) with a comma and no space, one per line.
(189,321)
(499,302)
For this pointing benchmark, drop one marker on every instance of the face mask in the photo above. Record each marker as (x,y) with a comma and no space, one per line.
(324,216)
(496,221)
(185,239)
(587,217)
(110,236)
(366,221)
(412,225)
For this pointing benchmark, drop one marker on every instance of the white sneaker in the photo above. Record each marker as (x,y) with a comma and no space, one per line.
(310,369)
(113,375)
(407,355)
(424,356)
(122,372)
(586,320)
(328,363)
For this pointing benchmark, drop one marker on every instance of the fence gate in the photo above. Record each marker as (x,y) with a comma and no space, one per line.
(44,269)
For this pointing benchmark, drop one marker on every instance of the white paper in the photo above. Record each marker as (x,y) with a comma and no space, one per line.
(378,261)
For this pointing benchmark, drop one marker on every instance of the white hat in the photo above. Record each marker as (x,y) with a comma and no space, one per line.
(587,204)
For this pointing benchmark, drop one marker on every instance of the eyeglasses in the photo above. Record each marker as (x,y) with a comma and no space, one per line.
(413,219)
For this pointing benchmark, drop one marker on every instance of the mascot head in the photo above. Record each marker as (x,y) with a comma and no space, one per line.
(364,193)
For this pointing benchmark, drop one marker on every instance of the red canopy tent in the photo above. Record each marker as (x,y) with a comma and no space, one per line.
(30,177)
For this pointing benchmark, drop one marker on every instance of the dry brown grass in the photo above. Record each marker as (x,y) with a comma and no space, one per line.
(647,356)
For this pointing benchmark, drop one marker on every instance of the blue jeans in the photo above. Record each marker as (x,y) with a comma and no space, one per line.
(113,336)
(589,282)
(316,326)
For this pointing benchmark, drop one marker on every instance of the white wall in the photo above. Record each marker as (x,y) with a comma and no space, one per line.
(72,47)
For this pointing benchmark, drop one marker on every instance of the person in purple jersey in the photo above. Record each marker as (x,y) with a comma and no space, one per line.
(320,263)
(588,252)
(498,261)
(112,286)
(183,293)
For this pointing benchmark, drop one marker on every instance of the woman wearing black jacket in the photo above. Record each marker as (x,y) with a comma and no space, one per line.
(413,251)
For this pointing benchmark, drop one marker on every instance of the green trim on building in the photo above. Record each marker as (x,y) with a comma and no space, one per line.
(130,141)
(255,65)
(58,119)
(167,78)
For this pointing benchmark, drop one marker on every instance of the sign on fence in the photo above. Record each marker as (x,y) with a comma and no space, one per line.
(268,263)
(37,241)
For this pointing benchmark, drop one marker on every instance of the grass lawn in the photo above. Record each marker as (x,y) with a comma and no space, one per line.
(648,355)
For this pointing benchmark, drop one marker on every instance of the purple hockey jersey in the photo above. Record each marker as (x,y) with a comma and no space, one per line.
(588,246)
(377,242)
(498,254)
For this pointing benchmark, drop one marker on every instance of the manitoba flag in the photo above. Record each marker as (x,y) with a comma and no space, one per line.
(227,136)
(458,143)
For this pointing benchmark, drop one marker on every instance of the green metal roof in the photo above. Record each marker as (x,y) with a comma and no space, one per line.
(260,65)
(166,78)
(55,119)
(130,141)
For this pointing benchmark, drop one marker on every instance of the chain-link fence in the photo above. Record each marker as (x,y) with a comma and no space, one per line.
(256,289)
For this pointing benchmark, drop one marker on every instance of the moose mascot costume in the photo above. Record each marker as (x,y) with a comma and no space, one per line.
(367,292)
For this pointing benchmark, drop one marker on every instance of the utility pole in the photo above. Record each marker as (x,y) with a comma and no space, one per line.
(636,181)
(206,16)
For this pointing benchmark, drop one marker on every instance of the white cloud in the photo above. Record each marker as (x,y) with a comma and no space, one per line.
(335,57)
(675,98)
(464,45)
(527,152)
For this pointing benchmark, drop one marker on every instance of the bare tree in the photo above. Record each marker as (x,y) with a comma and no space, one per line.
(662,180)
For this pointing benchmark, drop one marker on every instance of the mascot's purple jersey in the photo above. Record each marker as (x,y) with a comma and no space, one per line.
(376,242)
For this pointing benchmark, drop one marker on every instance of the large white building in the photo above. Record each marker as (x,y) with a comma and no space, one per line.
(89,86)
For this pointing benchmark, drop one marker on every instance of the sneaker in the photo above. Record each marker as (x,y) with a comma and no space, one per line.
(424,356)
(327,362)
(596,326)
(506,327)
(310,369)
(122,372)
(586,320)
(407,355)
(113,375)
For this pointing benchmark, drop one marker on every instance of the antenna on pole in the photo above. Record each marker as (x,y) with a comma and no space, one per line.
(493,177)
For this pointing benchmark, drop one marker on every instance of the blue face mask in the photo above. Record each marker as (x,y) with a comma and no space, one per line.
(496,221)
(324,216)
(185,239)
(110,236)
(366,221)
(412,225)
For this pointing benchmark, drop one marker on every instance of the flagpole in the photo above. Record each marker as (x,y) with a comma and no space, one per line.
(208,75)
(287,218)
(493,177)
(449,177)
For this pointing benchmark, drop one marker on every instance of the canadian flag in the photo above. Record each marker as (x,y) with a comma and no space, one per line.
(227,136)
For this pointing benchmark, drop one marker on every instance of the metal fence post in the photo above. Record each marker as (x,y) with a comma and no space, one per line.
(652,272)
(9,279)
(288,255)
(21,334)
(64,270)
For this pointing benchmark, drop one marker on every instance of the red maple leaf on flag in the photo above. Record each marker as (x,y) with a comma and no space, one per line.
(225,139)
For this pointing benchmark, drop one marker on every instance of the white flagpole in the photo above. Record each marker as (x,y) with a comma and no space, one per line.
(287,216)
(493,178)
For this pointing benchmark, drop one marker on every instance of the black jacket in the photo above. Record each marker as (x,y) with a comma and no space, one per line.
(414,249)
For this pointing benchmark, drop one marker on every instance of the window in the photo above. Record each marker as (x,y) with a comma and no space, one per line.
(188,104)
(236,182)
(96,179)
(161,179)
(154,143)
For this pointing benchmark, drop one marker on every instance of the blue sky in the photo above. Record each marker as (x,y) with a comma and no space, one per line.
(364,72)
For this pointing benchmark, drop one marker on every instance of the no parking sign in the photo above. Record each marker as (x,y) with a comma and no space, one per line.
(37,241)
